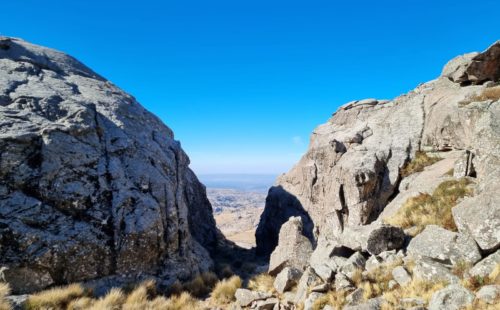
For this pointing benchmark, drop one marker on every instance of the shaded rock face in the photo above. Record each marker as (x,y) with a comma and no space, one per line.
(352,169)
(475,68)
(91,184)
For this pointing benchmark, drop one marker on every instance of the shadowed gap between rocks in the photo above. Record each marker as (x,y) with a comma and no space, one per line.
(280,206)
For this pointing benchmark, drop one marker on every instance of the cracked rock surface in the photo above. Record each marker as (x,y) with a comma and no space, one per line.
(91,184)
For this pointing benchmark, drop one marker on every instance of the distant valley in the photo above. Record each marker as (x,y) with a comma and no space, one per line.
(238,201)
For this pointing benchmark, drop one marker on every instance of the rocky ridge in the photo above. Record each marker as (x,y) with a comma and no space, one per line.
(352,180)
(92,185)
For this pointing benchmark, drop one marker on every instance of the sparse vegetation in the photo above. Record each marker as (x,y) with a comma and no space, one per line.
(419,162)
(224,291)
(491,93)
(201,285)
(416,288)
(262,282)
(4,292)
(426,209)
(476,282)
(56,298)
(337,299)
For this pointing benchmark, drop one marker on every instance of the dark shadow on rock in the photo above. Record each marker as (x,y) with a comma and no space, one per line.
(280,206)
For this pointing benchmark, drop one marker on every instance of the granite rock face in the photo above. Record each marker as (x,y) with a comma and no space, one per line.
(354,177)
(91,184)
(352,169)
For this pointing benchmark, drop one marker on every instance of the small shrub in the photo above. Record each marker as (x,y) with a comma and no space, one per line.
(224,291)
(56,298)
(4,292)
(419,162)
(426,209)
(262,282)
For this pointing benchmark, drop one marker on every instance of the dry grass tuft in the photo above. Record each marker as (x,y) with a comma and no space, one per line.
(491,93)
(475,283)
(56,298)
(336,299)
(182,302)
(202,284)
(416,288)
(262,282)
(224,291)
(81,303)
(114,299)
(461,268)
(419,162)
(426,209)
(141,293)
(4,292)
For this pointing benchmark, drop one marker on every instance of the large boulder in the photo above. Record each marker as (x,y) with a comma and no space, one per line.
(91,184)
(480,217)
(452,297)
(475,68)
(444,246)
(486,266)
(293,250)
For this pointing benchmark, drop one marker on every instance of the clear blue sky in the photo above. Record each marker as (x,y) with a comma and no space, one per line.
(243,83)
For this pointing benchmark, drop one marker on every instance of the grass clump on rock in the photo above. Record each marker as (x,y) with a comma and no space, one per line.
(434,209)
(224,291)
(415,289)
(418,163)
(490,93)
(262,282)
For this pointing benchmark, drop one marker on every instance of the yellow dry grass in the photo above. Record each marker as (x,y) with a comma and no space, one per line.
(56,298)
(475,283)
(4,292)
(491,93)
(416,288)
(262,282)
(418,163)
(426,209)
(113,300)
(224,291)
(202,284)
(336,299)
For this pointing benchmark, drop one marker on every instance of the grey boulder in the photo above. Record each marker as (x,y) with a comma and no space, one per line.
(444,246)
(452,297)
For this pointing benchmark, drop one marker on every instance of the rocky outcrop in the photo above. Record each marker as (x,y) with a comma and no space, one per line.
(294,249)
(475,68)
(356,174)
(91,184)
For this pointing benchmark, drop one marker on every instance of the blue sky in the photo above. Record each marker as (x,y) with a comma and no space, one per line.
(243,83)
